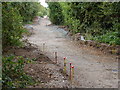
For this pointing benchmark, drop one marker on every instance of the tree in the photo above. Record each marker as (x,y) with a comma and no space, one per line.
(55,14)
(91,19)
(11,25)
(14,15)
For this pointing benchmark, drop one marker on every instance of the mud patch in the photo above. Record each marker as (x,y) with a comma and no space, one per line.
(42,69)
(47,76)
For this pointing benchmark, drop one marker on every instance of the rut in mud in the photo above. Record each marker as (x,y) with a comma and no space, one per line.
(93,68)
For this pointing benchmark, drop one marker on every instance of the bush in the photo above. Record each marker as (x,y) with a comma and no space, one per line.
(93,18)
(12,25)
(112,38)
(13,75)
(14,16)
(55,14)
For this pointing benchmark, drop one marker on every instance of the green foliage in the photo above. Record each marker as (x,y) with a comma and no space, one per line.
(43,11)
(111,38)
(11,25)
(94,18)
(13,75)
(28,10)
(55,14)
(14,15)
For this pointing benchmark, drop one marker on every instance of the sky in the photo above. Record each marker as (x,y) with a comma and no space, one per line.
(43,3)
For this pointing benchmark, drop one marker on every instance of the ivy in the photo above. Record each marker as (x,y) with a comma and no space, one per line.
(13,75)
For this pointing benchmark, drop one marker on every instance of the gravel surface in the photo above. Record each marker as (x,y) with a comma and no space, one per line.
(93,68)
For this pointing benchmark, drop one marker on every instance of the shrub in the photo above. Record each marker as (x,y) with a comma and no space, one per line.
(13,74)
(111,38)
(12,25)
(55,14)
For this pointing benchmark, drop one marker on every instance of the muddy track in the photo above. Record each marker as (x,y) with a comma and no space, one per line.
(93,68)
(44,72)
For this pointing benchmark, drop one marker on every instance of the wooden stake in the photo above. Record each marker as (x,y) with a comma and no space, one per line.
(72,74)
(56,57)
(43,47)
(70,70)
(64,64)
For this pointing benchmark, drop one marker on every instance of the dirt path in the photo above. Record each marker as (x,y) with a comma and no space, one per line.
(92,67)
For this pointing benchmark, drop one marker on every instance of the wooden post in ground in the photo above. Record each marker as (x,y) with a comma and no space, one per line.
(43,47)
(72,73)
(64,65)
(56,57)
(70,70)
